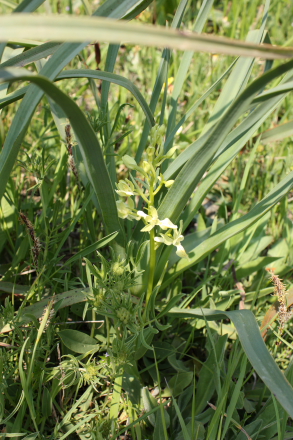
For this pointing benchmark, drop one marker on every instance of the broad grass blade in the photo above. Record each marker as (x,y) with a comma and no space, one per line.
(31,55)
(278,133)
(69,28)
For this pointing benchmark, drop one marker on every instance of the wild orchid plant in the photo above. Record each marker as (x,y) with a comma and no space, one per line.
(149,181)
(113,280)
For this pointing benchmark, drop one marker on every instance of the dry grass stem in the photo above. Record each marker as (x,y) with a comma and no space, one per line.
(280,291)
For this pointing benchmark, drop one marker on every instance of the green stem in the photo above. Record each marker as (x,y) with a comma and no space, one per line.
(108,331)
(152,265)
(93,325)
(117,389)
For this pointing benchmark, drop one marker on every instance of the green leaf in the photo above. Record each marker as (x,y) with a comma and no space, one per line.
(31,436)
(184,432)
(238,79)
(46,403)
(115,79)
(149,403)
(254,347)
(139,7)
(255,265)
(6,286)
(31,55)
(160,80)
(227,152)
(278,133)
(142,341)
(185,63)
(28,5)
(276,91)
(192,109)
(65,299)
(177,364)
(91,248)
(206,383)
(78,342)
(178,383)
(199,431)
(71,28)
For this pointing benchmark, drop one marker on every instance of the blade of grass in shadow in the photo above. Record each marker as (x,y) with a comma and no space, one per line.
(95,74)
(190,175)
(31,55)
(126,9)
(28,5)
(254,347)
(64,54)
(136,9)
(88,142)
(278,133)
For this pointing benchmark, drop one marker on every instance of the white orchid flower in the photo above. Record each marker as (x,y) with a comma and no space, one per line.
(126,210)
(153,220)
(125,188)
(168,240)
(129,162)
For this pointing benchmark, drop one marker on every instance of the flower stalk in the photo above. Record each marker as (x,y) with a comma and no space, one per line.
(146,185)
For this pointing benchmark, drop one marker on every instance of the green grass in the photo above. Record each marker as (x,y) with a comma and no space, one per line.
(106,332)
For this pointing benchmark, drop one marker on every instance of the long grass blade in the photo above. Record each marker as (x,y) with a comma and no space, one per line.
(278,133)
(28,5)
(31,55)
(69,28)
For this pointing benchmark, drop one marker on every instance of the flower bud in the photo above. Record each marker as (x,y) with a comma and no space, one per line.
(168,183)
(117,269)
(150,151)
(146,166)
(129,162)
